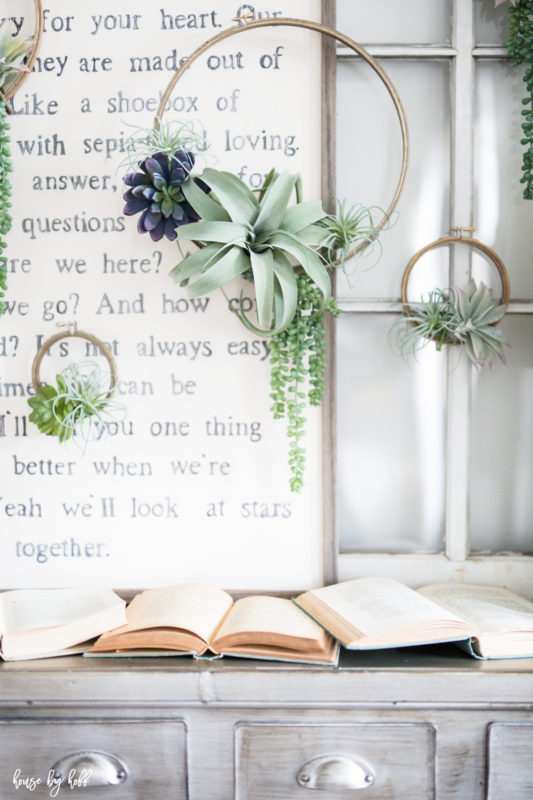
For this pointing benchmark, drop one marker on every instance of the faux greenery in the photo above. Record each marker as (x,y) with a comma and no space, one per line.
(287,250)
(156,190)
(451,316)
(13,51)
(69,409)
(168,138)
(520,48)
(259,236)
(5,198)
(350,226)
(298,366)
(272,237)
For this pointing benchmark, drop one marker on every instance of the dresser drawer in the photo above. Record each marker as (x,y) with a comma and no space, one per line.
(510,761)
(370,761)
(100,760)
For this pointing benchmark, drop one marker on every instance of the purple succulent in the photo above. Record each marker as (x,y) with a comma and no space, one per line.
(155,190)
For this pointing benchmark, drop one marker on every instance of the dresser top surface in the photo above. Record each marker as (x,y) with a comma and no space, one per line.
(437,675)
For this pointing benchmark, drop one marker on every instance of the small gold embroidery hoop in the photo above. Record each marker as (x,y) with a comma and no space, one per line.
(73,332)
(19,80)
(338,36)
(477,245)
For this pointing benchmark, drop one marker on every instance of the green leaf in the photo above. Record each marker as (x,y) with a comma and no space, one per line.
(274,203)
(307,258)
(263,270)
(230,266)
(196,262)
(224,232)
(233,194)
(207,208)
(300,216)
(313,235)
(285,291)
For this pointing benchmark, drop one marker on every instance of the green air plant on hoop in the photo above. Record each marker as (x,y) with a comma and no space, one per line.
(13,52)
(287,251)
(451,316)
(80,398)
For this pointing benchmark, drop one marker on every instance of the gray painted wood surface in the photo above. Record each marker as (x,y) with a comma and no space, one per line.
(424,718)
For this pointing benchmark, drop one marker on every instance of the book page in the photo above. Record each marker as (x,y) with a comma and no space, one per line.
(375,605)
(28,609)
(273,616)
(194,607)
(489,608)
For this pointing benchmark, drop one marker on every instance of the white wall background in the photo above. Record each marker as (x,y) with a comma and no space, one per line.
(230,518)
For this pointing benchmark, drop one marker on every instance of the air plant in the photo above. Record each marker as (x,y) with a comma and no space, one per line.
(287,250)
(477,316)
(167,138)
(352,227)
(243,234)
(69,409)
(451,316)
(13,52)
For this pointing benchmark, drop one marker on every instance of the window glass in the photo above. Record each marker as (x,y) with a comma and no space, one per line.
(502,446)
(502,216)
(390,441)
(388,21)
(369,161)
(491,23)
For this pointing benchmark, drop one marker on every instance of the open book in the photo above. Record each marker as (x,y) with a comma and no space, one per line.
(196,618)
(368,613)
(39,623)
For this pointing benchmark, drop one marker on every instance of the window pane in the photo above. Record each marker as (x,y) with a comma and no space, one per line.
(491,24)
(388,21)
(502,446)
(369,159)
(502,216)
(390,441)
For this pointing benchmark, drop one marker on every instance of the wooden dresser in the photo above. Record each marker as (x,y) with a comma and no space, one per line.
(399,725)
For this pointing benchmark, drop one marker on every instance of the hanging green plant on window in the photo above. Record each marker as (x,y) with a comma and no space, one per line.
(520,48)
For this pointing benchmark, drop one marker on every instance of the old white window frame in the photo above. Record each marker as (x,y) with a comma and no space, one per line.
(514,570)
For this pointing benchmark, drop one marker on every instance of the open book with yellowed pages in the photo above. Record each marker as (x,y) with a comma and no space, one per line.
(41,623)
(369,613)
(196,619)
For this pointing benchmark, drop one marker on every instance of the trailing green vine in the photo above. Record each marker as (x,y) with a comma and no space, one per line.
(520,48)
(13,53)
(5,198)
(298,367)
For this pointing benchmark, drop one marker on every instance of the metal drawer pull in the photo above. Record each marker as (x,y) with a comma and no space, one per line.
(88,768)
(335,771)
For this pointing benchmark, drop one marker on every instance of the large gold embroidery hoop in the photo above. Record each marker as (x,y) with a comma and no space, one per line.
(339,37)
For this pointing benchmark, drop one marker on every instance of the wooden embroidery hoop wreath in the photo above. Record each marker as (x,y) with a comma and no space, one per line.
(22,76)
(326,31)
(73,332)
(458,239)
